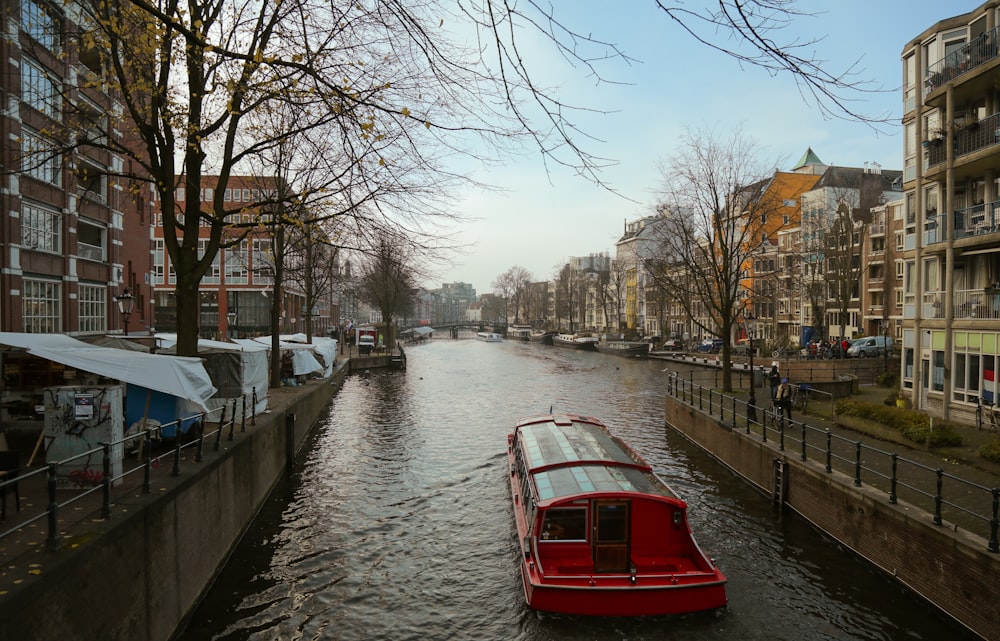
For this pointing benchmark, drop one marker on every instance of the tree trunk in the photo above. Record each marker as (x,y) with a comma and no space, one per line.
(276,299)
(188,313)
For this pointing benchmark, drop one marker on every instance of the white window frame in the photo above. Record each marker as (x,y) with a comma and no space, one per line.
(39,158)
(93,307)
(237,264)
(42,23)
(39,89)
(41,228)
(41,306)
(159,260)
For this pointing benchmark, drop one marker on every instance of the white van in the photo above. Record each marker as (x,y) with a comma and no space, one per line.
(869,347)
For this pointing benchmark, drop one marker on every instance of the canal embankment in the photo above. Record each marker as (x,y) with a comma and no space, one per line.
(950,566)
(136,575)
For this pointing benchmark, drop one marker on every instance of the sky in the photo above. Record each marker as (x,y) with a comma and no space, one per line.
(538,218)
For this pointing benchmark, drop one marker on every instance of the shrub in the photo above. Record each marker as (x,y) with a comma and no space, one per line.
(913,425)
(991,450)
(887,379)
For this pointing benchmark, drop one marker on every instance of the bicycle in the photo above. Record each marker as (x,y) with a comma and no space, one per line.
(802,397)
(981,408)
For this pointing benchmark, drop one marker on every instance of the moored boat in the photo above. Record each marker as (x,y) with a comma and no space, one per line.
(545,338)
(489,337)
(599,533)
(575,341)
(632,349)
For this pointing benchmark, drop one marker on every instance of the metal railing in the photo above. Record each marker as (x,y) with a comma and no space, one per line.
(941,494)
(976,53)
(82,482)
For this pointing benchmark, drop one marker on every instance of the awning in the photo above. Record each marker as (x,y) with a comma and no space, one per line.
(175,375)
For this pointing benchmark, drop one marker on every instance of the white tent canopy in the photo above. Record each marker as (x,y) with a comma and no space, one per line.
(246,372)
(175,375)
(303,362)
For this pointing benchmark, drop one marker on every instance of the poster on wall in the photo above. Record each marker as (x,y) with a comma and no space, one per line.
(83,406)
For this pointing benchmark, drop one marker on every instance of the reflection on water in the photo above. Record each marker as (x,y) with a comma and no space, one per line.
(397,523)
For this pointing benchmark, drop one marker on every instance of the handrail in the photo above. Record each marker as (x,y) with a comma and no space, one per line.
(970,504)
(86,484)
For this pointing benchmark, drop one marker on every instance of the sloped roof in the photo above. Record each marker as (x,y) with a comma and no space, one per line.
(808,159)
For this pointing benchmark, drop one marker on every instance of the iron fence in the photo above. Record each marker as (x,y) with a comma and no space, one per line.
(940,493)
(231,416)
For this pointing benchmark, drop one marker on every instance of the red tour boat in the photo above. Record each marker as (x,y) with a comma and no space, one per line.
(599,532)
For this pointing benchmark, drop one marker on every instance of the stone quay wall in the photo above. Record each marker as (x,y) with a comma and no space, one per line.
(138,575)
(952,570)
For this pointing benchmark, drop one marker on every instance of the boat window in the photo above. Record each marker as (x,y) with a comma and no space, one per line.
(565,524)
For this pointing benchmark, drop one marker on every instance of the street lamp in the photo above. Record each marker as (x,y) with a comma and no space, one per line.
(126,303)
(230,322)
(749,321)
(885,336)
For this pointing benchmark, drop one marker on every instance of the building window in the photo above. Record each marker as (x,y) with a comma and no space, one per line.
(263,266)
(91,180)
(93,308)
(158,261)
(39,89)
(41,22)
(40,228)
(211,277)
(40,158)
(41,306)
(90,240)
(93,121)
(237,265)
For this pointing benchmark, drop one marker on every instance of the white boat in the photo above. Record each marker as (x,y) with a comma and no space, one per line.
(489,337)
(575,341)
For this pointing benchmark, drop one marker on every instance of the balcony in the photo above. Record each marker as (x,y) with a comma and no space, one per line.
(980,304)
(983,218)
(961,61)
(90,252)
(974,137)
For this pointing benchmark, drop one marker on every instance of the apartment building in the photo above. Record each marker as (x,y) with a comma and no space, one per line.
(237,290)
(951,215)
(67,210)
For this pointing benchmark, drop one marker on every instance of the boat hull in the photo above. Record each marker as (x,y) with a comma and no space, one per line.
(607,599)
(574,342)
(629,350)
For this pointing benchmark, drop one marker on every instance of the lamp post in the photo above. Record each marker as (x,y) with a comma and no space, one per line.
(230,322)
(885,336)
(126,303)
(749,321)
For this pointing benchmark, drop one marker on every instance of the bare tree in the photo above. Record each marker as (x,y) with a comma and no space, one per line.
(386,281)
(617,286)
(715,193)
(192,78)
(512,286)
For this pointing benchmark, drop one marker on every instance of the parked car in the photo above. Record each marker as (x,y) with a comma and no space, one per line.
(710,346)
(673,343)
(869,347)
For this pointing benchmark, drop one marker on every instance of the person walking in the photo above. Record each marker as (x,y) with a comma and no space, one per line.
(774,378)
(783,399)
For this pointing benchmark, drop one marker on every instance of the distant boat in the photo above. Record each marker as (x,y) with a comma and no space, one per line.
(575,341)
(520,332)
(489,337)
(545,338)
(631,349)
(598,533)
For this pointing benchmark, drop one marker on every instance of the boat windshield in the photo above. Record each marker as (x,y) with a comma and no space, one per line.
(565,524)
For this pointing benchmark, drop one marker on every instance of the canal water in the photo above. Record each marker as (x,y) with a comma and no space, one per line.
(397,522)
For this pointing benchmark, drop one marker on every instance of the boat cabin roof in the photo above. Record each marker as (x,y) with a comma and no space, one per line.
(571,455)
